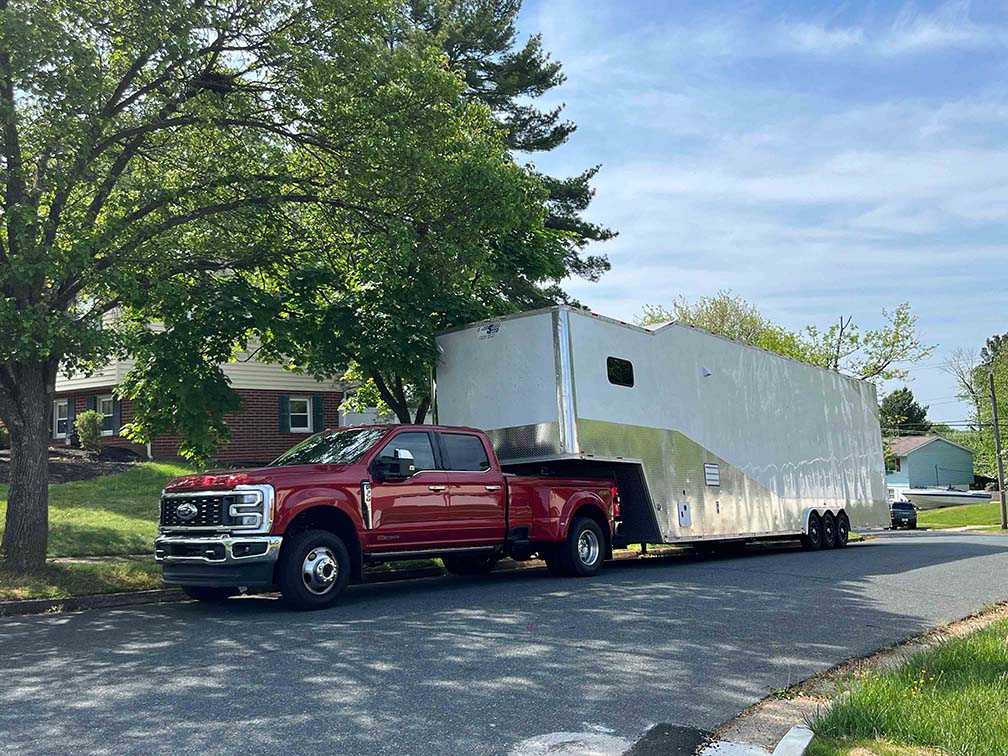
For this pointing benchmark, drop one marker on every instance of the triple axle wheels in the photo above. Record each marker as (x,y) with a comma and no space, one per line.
(827,531)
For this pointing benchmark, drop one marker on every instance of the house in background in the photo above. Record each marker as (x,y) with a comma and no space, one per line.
(279,408)
(927,462)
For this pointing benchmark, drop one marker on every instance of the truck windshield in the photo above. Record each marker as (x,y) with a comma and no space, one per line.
(342,447)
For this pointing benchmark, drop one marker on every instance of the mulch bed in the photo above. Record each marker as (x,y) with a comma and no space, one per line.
(66,465)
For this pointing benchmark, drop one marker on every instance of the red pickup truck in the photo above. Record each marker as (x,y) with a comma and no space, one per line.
(308,522)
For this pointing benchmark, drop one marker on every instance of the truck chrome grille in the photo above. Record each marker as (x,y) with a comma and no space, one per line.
(210,511)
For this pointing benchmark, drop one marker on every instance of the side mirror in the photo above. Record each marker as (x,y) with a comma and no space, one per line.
(399,467)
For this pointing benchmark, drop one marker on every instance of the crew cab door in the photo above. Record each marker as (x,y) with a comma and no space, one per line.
(411,513)
(476,493)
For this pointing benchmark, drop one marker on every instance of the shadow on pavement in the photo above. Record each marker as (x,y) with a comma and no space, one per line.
(472,666)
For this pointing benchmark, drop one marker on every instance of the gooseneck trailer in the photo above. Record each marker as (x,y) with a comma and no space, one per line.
(709,439)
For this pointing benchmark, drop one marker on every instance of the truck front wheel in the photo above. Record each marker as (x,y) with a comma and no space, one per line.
(582,553)
(313,569)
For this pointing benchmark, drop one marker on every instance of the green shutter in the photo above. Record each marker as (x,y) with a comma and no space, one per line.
(91,403)
(285,414)
(318,413)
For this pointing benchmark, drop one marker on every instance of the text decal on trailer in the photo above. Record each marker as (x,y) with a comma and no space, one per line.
(488,331)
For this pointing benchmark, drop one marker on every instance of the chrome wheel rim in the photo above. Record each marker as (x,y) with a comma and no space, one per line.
(319,570)
(588,548)
(828,533)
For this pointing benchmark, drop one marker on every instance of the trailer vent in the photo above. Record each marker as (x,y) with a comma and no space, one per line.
(712,474)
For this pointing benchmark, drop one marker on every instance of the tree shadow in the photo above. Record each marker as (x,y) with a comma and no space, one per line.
(459,666)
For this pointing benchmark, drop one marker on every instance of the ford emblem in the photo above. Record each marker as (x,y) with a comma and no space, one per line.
(186,511)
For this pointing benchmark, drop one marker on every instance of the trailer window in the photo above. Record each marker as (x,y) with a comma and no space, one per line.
(464,452)
(620,371)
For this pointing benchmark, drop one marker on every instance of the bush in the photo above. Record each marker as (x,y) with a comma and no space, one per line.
(89,430)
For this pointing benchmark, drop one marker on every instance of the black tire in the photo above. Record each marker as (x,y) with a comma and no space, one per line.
(828,531)
(555,562)
(313,569)
(842,530)
(469,564)
(207,594)
(583,552)
(812,540)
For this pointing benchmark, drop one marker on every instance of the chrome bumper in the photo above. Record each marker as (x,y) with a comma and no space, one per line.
(217,549)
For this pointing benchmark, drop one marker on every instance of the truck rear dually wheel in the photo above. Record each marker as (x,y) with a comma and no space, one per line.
(313,569)
(581,555)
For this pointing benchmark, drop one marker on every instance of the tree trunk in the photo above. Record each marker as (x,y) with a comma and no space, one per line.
(25,406)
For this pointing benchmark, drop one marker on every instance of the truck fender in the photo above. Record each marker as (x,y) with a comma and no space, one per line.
(586,503)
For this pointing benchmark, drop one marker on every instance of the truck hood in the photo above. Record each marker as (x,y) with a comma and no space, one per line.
(278,477)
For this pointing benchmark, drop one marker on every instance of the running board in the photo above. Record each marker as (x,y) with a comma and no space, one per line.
(395,556)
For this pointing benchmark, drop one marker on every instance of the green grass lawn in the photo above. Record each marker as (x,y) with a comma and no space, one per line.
(952,699)
(81,579)
(988,514)
(110,515)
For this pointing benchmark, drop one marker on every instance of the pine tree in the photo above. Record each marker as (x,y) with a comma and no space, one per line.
(479,39)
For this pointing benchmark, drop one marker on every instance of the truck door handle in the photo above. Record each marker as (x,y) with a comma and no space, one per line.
(492,488)
(436,488)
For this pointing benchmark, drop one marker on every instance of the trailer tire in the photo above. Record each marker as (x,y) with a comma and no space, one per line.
(842,529)
(828,531)
(584,551)
(208,594)
(313,569)
(812,540)
(469,564)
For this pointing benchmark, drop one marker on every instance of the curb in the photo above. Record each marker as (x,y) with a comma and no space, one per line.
(795,743)
(97,601)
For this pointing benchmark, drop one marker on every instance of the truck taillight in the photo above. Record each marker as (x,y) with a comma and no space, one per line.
(615,502)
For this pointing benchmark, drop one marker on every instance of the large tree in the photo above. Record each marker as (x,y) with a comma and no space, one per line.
(878,354)
(158,155)
(480,39)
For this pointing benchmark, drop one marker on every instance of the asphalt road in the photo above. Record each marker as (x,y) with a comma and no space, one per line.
(476,666)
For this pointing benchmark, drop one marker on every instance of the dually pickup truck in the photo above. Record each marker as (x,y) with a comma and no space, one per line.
(309,522)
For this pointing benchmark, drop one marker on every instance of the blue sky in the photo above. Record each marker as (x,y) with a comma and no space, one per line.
(817,158)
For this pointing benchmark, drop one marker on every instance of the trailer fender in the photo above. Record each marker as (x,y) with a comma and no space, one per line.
(835,511)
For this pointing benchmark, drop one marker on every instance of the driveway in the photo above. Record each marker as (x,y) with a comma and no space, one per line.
(477,666)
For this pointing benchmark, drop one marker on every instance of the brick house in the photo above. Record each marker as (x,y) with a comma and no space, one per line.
(279,408)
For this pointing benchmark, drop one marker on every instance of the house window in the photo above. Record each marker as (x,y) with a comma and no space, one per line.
(61,418)
(106,407)
(300,414)
(896,464)
(620,372)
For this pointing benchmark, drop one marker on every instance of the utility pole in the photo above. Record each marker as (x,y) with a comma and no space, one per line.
(997,446)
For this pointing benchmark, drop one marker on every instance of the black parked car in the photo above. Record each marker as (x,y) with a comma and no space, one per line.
(902,514)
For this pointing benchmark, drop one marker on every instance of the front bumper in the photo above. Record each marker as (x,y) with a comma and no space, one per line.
(220,560)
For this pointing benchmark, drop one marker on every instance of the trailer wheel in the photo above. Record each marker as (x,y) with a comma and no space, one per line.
(829,531)
(582,554)
(812,540)
(468,564)
(842,529)
(313,570)
(209,595)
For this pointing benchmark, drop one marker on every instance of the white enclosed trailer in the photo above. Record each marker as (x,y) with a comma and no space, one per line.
(708,438)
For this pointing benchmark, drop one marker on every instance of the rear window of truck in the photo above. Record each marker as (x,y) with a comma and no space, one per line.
(464,452)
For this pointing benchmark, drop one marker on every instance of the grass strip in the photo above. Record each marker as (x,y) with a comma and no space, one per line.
(951,699)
